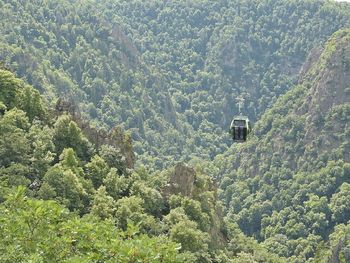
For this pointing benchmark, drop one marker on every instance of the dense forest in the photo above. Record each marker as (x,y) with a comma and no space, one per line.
(288,186)
(65,198)
(103,102)
(169,72)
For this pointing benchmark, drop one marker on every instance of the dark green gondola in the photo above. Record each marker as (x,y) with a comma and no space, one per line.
(240,128)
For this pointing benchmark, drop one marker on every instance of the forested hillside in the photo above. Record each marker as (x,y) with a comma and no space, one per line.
(64,198)
(100,100)
(169,72)
(289,185)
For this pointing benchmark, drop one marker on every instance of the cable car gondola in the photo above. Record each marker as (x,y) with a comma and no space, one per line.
(240,125)
(240,128)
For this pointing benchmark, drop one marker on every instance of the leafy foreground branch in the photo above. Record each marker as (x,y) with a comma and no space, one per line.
(43,231)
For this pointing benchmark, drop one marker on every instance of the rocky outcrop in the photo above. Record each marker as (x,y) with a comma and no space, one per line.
(182,180)
(116,137)
(185,181)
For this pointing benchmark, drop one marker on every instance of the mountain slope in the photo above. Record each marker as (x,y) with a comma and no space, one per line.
(169,72)
(71,194)
(284,185)
(67,49)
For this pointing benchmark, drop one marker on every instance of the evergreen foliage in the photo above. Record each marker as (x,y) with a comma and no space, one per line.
(64,198)
(168,73)
(289,185)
